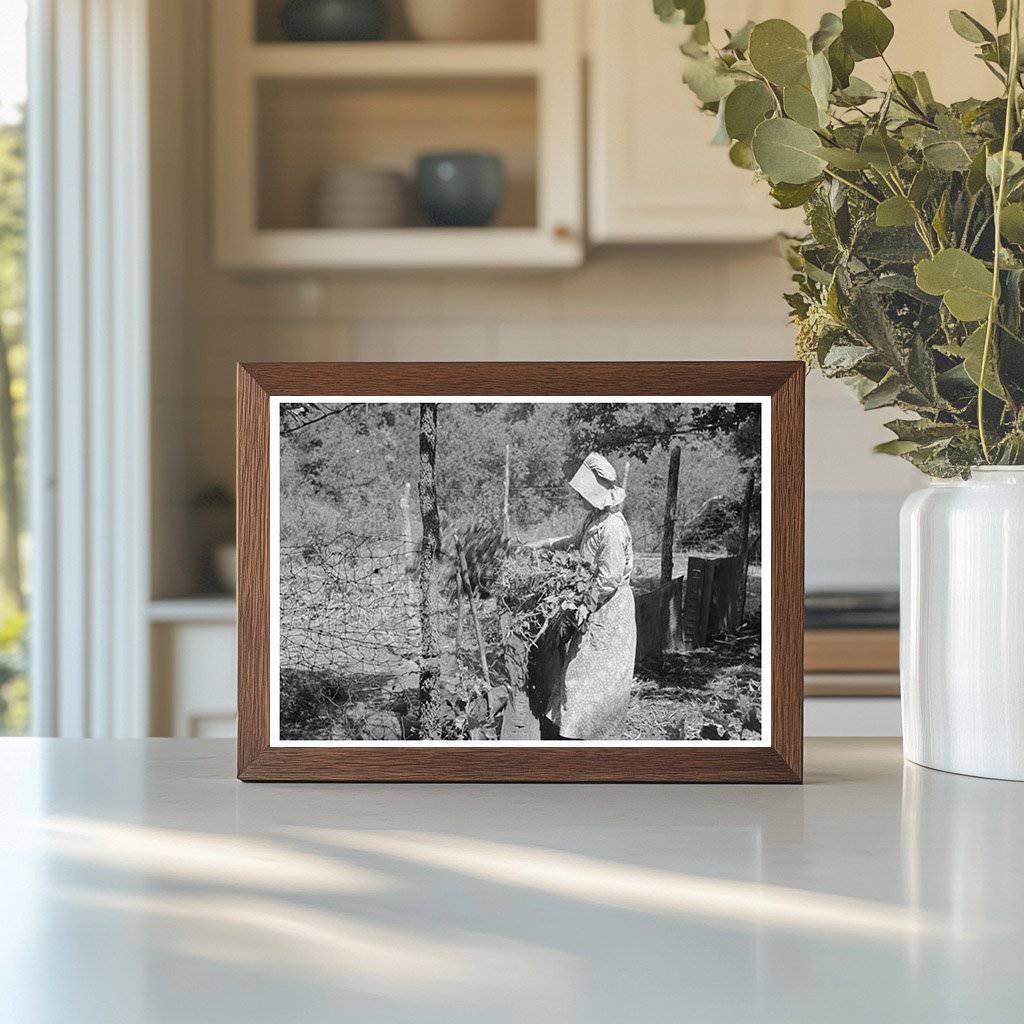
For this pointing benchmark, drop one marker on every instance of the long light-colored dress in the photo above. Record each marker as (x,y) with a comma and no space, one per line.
(589,696)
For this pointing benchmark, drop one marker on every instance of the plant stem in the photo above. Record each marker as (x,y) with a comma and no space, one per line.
(775,98)
(853,185)
(910,102)
(1011,108)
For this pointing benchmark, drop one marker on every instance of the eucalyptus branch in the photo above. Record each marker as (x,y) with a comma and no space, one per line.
(1011,109)
(853,185)
(911,103)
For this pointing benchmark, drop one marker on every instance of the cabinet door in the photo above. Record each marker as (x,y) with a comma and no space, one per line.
(654,177)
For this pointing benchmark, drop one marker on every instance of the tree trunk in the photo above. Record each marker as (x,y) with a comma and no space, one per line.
(430,555)
(668,534)
(748,501)
(506,522)
(11,493)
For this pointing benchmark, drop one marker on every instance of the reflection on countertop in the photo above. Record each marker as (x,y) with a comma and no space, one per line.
(144,883)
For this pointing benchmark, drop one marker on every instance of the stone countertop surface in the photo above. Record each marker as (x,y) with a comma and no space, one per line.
(140,882)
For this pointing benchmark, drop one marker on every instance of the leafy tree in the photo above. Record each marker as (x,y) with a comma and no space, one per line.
(636,430)
(13,702)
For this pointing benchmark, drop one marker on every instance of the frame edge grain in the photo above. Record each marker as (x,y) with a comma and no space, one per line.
(787,638)
(252,478)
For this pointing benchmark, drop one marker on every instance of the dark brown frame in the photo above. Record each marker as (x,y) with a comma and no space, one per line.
(782,761)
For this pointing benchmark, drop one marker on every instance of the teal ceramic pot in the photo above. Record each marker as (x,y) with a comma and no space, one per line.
(460,189)
(334,21)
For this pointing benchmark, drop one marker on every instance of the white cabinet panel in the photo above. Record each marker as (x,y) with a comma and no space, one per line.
(193,679)
(654,177)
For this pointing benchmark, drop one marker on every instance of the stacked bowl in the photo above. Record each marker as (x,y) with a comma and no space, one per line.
(362,197)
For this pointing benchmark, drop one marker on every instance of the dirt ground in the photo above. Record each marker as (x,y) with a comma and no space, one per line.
(713,693)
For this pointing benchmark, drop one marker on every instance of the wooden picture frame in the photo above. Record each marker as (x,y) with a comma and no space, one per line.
(778,759)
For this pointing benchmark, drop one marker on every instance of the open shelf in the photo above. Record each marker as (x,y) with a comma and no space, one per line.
(393,60)
(309,127)
(410,248)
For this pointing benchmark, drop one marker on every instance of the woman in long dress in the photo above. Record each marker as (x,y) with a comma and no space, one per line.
(588,692)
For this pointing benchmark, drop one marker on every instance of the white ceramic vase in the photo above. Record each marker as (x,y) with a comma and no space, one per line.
(962,624)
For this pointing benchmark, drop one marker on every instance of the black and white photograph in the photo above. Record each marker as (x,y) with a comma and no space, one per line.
(519,571)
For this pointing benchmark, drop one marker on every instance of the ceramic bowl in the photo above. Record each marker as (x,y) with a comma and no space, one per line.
(359,197)
(470,20)
(459,189)
(332,21)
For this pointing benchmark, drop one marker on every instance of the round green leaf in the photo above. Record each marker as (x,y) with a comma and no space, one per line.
(829,30)
(840,62)
(895,212)
(819,75)
(788,197)
(741,155)
(972,351)
(968,28)
(883,152)
(993,166)
(745,108)
(707,79)
(866,29)
(690,12)
(896,447)
(976,173)
(963,281)
(801,106)
(858,91)
(844,159)
(947,156)
(1012,224)
(779,51)
(787,152)
(740,39)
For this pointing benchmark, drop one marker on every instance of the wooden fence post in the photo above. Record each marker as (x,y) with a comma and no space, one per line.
(412,598)
(505,521)
(748,500)
(671,503)
(430,554)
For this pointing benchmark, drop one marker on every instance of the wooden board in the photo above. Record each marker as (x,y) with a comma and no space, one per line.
(852,650)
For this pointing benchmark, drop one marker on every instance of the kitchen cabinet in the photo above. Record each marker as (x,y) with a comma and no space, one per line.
(288,114)
(654,177)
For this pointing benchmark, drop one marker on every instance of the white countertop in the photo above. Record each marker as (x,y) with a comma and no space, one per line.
(140,882)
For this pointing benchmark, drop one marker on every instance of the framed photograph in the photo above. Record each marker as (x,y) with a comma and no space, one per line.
(576,572)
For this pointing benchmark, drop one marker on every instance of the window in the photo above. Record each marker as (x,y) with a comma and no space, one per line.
(14,691)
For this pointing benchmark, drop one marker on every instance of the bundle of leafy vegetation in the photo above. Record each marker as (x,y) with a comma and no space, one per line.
(546,593)
(910,280)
